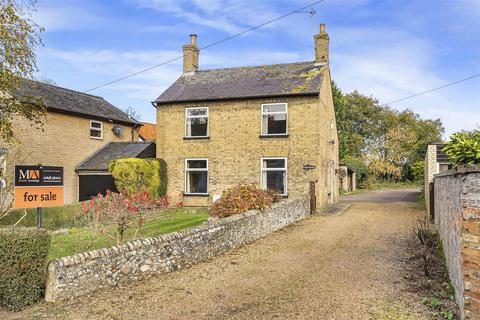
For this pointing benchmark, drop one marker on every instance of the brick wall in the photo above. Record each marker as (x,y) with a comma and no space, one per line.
(64,141)
(78,275)
(234,148)
(457,218)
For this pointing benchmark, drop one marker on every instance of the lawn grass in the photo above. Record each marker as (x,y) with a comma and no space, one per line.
(82,239)
(54,218)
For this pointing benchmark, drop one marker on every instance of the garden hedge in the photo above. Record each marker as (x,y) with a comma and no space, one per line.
(134,174)
(23,261)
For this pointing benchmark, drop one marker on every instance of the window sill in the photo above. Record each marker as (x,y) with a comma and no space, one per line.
(196,138)
(273,136)
(96,138)
(196,195)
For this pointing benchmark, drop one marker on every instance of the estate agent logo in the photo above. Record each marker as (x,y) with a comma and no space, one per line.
(38,186)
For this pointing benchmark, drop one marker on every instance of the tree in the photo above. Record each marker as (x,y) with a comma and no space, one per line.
(132,113)
(19,36)
(464,147)
(389,141)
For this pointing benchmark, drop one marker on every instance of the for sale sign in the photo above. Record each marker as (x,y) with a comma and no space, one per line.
(38,186)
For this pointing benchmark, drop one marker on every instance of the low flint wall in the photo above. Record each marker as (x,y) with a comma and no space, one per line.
(74,276)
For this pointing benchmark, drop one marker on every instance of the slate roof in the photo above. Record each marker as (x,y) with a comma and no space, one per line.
(99,160)
(147,131)
(78,103)
(301,78)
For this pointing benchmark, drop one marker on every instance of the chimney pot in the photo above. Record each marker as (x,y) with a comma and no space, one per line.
(322,28)
(193,39)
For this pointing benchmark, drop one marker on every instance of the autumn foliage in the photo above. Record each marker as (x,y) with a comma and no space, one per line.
(242,198)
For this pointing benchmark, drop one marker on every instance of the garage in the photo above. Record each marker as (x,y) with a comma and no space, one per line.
(93,175)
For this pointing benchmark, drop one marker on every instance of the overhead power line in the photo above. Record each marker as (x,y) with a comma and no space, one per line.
(433,89)
(208,46)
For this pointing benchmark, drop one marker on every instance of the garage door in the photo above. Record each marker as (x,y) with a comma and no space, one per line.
(91,185)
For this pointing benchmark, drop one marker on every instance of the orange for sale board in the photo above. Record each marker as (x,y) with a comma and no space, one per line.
(38,197)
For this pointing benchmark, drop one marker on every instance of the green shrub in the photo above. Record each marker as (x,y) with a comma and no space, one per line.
(418,171)
(464,147)
(240,199)
(23,258)
(138,175)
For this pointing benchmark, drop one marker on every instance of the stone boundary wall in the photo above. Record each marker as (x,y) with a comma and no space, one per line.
(457,219)
(77,275)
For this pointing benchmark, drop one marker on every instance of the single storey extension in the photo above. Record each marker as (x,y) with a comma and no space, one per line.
(270,125)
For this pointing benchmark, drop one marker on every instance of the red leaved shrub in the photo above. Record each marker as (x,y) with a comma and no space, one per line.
(242,198)
(122,210)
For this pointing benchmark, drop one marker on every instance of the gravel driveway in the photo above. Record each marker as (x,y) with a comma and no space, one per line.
(326,267)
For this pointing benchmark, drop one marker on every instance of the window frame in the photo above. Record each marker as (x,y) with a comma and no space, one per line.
(262,113)
(262,169)
(187,170)
(186,122)
(96,129)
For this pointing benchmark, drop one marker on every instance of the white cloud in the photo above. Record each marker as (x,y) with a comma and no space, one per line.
(67,16)
(231,16)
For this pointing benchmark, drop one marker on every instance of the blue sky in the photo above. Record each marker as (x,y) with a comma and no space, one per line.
(385,48)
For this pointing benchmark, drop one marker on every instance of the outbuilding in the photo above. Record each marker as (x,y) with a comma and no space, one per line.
(93,174)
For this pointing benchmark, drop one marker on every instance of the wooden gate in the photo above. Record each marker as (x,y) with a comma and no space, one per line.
(313,198)
(431,190)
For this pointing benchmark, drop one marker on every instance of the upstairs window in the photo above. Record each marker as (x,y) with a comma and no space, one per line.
(196,122)
(196,176)
(274,119)
(96,130)
(274,175)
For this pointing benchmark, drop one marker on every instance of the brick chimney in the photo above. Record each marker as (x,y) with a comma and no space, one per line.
(190,55)
(321,45)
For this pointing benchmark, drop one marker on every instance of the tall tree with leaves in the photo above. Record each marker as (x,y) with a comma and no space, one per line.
(19,36)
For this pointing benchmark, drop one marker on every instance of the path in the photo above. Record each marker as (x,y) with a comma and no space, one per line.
(326,267)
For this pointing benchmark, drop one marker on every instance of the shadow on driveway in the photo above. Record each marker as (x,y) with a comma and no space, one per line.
(383,196)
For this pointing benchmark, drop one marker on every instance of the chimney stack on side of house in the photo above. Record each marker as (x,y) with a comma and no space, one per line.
(190,55)
(321,45)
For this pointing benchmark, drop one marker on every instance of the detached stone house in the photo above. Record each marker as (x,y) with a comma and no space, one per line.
(270,125)
(77,127)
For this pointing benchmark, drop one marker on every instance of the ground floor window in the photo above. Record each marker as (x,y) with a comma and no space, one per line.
(196,176)
(274,174)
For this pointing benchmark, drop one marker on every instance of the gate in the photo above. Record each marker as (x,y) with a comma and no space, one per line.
(431,191)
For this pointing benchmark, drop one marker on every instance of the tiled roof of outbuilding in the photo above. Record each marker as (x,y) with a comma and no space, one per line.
(299,78)
(73,102)
(99,160)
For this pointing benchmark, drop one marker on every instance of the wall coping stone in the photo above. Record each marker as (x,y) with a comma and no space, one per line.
(462,169)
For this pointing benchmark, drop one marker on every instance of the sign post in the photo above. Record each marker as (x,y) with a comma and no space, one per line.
(38,187)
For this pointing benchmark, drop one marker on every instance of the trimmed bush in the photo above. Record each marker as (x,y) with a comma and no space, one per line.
(23,259)
(240,199)
(139,175)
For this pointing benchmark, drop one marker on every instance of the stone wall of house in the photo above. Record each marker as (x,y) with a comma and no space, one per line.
(234,147)
(78,275)
(64,140)
(457,218)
